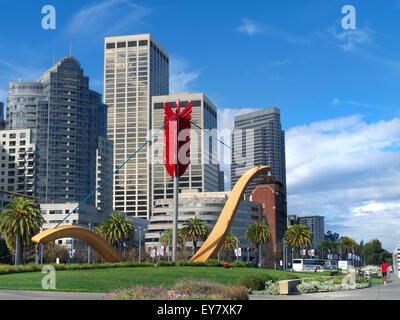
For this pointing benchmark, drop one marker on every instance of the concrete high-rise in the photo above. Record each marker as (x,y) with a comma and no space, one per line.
(2,122)
(317,226)
(258,139)
(136,68)
(202,173)
(66,119)
(17,157)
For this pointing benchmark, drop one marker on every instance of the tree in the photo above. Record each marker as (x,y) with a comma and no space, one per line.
(194,230)
(166,238)
(347,245)
(374,254)
(229,245)
(116,229)
(52,251)
(298,236)
(326,247)
(258,234)
(19,222)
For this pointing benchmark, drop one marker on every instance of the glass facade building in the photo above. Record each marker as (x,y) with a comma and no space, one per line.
(135,69)
(202,173)
(258,140)
(66,119)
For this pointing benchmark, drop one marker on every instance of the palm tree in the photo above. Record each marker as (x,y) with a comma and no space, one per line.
(258,234)
(116,229)
(19,222)
(298,236)
(166,238)
(194,230)
(229,244)
(347,245)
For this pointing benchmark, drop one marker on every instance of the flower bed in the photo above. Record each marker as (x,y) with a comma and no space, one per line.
(330,285)
(184,290)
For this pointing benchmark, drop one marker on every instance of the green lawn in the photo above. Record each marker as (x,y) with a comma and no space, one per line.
(107,280)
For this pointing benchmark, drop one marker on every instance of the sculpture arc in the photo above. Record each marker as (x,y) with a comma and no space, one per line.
(213,244)
(101,246)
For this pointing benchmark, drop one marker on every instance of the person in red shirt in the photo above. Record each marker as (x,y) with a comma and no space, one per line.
(384,267)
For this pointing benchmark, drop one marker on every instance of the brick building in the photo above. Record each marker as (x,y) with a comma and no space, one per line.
(270,192)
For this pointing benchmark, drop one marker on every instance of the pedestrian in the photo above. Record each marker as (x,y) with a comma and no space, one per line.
(384,268)
(227,266)
(316,269)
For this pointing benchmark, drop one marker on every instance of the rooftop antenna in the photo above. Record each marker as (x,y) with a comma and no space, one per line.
(70,48)
(54,58)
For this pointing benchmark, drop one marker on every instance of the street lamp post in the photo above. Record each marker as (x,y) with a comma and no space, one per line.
(90,228)
(168,245)
(153,253)
(72,250)
(237,247)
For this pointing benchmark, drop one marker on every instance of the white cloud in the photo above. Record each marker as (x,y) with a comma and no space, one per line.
(181,80)
(107,17)
(251,28)
(351,39)
(341,169)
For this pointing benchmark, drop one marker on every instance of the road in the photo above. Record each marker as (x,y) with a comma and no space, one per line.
(375,292)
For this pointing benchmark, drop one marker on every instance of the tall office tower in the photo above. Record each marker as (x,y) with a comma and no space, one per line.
(258,140)
(104,159)
(203,171)
(221,181)
(17,157)
(135,69)
(66,119)
(316,225)
(2,122)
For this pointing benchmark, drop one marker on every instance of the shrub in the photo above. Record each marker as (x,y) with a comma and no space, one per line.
(252,282)
(240,264)
(215,263)
(328,285)
(238,292)
(284,276)
(265,277)
(162,263)
(331,273)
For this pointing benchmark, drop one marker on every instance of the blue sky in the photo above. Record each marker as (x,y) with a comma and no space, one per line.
(338,90)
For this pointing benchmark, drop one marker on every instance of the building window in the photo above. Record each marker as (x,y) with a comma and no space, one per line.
(143,43)
(110,45)
(132,43)
(121,44)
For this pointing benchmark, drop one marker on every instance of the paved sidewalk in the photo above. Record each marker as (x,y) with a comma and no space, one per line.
(49,295)
(375,292)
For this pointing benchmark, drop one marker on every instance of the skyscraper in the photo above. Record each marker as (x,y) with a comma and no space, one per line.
(2,122)
(66,120)
(202,173)
(317,226)
(258,139)
(135,69)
